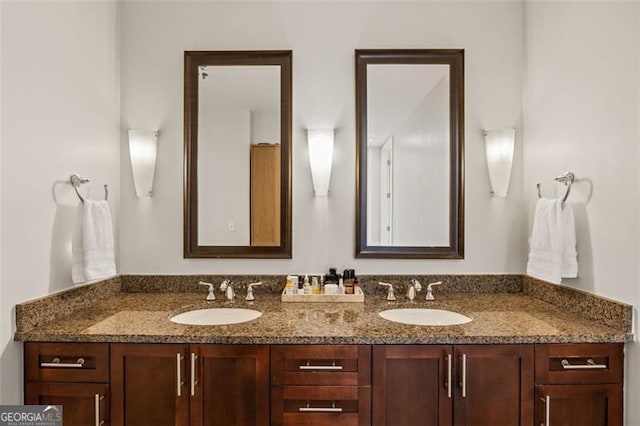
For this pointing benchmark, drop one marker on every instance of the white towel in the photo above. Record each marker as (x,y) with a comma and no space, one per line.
(569,252)
(553,242)
(96,258)
(77,251)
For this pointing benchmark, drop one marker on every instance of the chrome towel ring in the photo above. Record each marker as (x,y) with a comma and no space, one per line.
(76,180)
(567,178)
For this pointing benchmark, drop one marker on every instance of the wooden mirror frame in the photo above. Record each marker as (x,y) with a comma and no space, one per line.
(192,61)
(455,59)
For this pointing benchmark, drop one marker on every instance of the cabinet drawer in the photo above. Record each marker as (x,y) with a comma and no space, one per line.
(584,405)
(321,406)
(83,404)
(66,362)
(321,365)
(579,363)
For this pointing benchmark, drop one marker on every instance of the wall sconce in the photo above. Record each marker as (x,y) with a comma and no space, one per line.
(320,159)
(499,145)
(143,148)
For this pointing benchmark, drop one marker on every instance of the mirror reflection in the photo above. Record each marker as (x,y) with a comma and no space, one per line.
(237,111)
(408,155)
(410,108)
(239,155)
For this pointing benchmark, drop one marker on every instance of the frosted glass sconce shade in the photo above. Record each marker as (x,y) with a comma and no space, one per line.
(499,145)
(320,159)
(143,148)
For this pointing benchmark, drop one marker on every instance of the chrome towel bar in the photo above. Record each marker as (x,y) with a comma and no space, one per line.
(76,181)
(567,178)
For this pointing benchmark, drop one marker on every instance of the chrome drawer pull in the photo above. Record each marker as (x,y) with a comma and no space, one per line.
(547,410)
(308,409)
(449,375)
(464,375)
(590,365)
(194,357)
(333,367)
(55,363)
(98,398)
(179,381)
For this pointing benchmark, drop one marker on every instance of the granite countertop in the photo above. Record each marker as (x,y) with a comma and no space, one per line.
(497,318)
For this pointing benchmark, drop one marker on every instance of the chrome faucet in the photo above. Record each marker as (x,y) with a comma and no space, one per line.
(228,290)
(430,290)
(250,295)
(211,295)
(390,296)
(414,287)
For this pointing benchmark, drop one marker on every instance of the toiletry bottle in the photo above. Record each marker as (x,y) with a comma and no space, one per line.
(340,286)
(315,287)
(349,278)
(289,287)
(306,287)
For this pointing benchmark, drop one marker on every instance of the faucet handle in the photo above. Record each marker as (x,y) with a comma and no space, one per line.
(224,285)
(430,290)
(211,295)
(416,284)
(390,296)
(250,295)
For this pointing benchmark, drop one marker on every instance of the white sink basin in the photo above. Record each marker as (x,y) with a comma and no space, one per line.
(216,316)
(424,317)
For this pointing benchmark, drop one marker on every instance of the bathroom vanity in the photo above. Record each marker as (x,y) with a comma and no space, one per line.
(521,361)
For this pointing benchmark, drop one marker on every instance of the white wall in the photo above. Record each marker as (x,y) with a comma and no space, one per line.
(60,115)
(421,158)
(265,126)
(582,114)
(323,36)
(224,179)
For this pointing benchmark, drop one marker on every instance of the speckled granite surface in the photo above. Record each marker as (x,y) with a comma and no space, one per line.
(369,283)
(605,311)
(497,318)
(56,306)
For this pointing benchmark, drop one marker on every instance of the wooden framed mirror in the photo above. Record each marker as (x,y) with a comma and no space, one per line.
(237,154)
(410,153)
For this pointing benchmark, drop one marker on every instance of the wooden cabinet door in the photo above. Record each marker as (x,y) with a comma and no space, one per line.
(149,385)
(579,405)
(231,386)
(83,404)
(410,385)
(494,385)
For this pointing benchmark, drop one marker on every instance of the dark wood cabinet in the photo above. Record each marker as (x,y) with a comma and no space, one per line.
(231,385)
(460,385)
(198,385)
(579,385)
(579,405)
(317,385)
(149,385)
(494,385)
(395,385)
(74,375)
(411,385)
(82,403)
